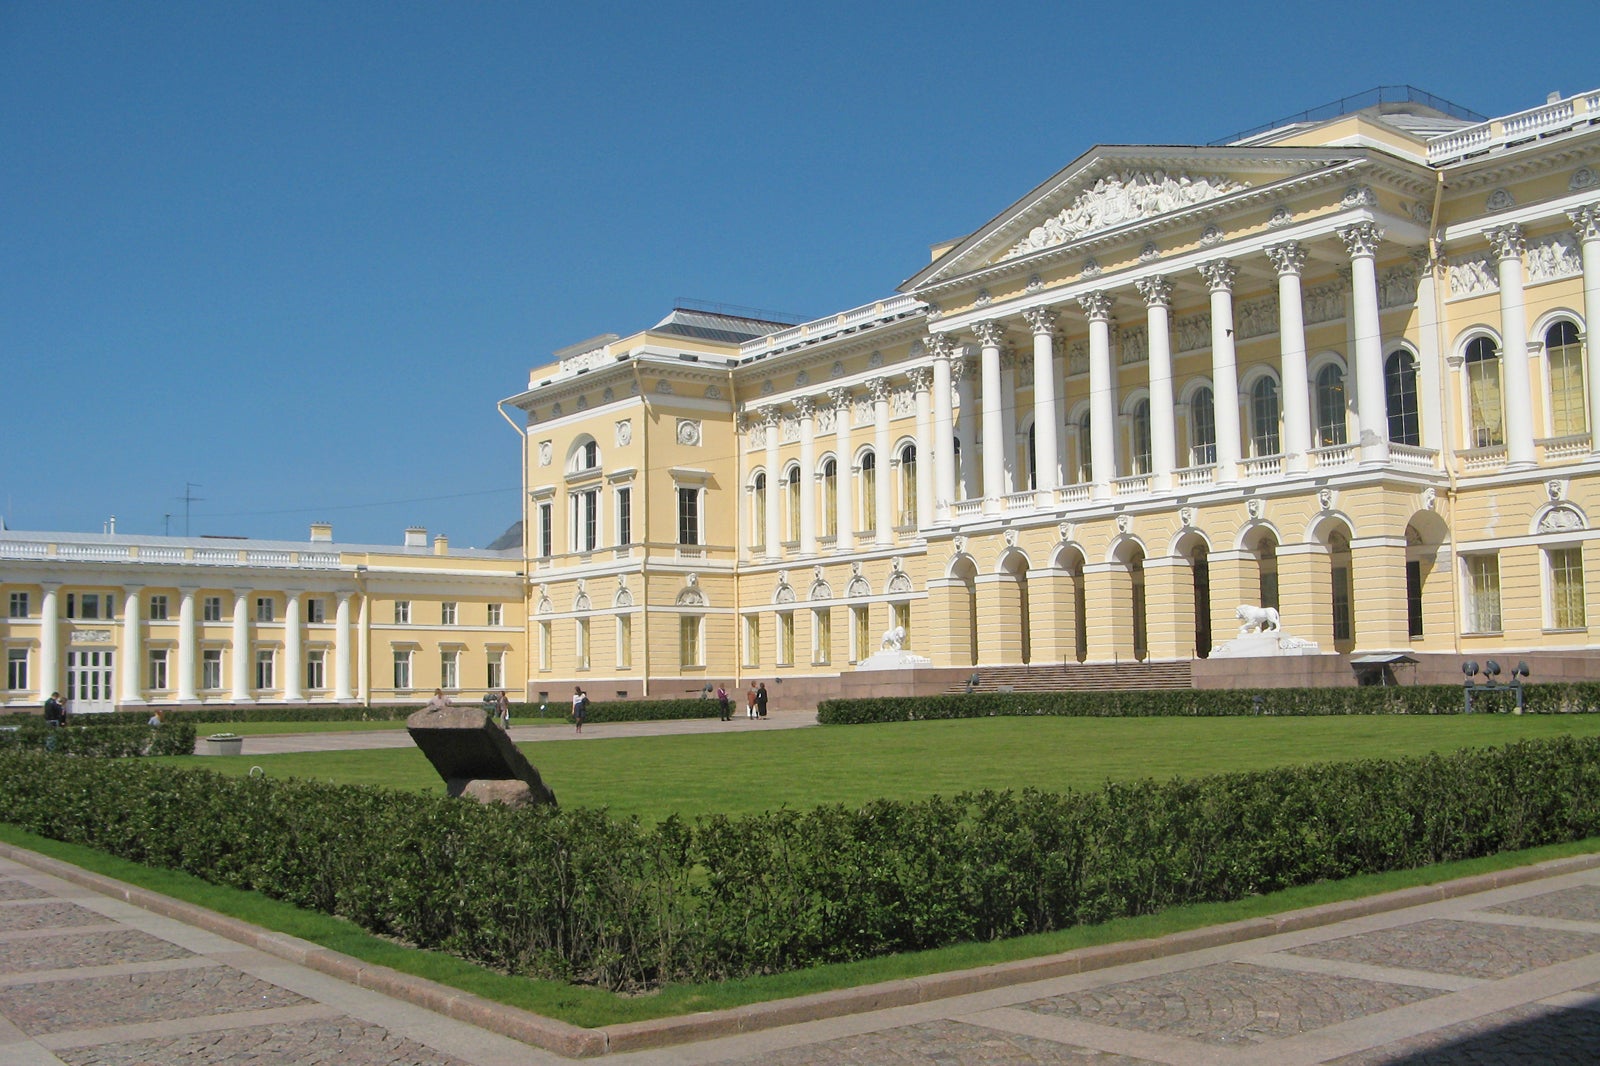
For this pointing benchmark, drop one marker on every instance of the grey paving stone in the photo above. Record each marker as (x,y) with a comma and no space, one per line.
(1466,949)
(939,1043)
(1580,904)
(331,1042)
(1534,1035)
(1231,1003)
(54,914)
(91,1003)
(85,949)
(11,888)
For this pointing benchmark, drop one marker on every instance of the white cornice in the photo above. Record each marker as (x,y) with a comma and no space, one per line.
(1546,210)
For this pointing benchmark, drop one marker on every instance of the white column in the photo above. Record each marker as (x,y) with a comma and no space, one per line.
(49,641)
(805,410)
(1372,415)
(769,415)
(844,476)
(1508,244)
(292,678)
(241,646)
(1289,259)
(1008,418)
(994,453)
(132,645)
(944,448)
(1046,447)
(920,379)
(1430,365)
(1157,293)
(1219,275)
(188,641)
(341,648)
(1586,220)
(966,424)
(880,445)
(1102,394)
(364,648)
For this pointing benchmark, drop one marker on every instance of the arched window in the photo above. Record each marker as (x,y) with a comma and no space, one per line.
(791,504)
(1483,392)
(1139,439)
(830,498)
(908,485)
(869,493)
(1329,397)
(1264,417)
(758,511)
(1400,397)
(1202,428)
(585,456)
(1085,450)
(1565,360)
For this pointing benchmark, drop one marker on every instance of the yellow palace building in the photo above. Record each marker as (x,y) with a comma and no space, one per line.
(1339,367)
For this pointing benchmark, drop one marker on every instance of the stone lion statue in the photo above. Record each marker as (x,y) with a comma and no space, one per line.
(894,639)
(1257,619)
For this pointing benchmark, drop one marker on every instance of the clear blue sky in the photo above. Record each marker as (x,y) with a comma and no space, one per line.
(295,252)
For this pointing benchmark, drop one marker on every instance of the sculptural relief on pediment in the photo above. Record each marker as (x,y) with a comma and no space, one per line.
(1118,199)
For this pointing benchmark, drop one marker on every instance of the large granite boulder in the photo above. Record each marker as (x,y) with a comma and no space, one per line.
(476,758)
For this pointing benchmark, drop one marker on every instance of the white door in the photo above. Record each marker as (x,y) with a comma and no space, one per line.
(89,680)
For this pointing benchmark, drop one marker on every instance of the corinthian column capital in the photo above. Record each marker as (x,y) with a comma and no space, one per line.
(989,334)
(1287,258)
(1219,274)
(1041,320)
(840,397)
(1586,220)
(1156,290)
(804,406)
(1361,239)
(940,345)
(769,415)
(879,387)
(1097,305)
(921,378)
(1506,242)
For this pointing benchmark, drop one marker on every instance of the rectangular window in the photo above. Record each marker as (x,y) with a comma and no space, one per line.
(1343,623)
(316,610)
(1414,598)
(402,669)
(1483,593)
(449,669)
(316,672)
(158,609)
(402,612)
(264,609)
(447,613)
(861,632)
(17,669)
(1566,588)
(544,646)
(625,642)
(902,622)
(86,605)
(211,608)
(786,638)
(264,673)
(158,670)
(211,668)
(585,507)
(546,543)
(496,675)
(689,640)
(583,644)
(19,605)
(822,636)
(497,614)
(752,640)
(688,515)
(624,516)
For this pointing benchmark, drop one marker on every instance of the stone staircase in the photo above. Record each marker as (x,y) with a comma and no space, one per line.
(1059,677)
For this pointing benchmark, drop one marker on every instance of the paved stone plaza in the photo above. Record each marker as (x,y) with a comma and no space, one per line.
(1505,975)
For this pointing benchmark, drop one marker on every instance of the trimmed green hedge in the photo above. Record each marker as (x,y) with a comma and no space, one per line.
(579,895)
(617,711)
(1556,698)
(104,739)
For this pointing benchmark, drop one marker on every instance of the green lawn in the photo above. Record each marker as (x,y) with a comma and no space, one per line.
(258,729)
(745,769)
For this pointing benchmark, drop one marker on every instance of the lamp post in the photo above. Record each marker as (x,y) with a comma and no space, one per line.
(1491,673)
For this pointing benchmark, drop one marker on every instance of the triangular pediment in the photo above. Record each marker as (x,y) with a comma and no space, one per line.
(1114,188)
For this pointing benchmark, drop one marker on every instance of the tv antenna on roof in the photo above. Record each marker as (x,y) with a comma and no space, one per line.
(188,497)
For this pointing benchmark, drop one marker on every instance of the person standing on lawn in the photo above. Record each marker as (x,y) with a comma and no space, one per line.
(723,704)
(580,706)
(761,700)
(750,703)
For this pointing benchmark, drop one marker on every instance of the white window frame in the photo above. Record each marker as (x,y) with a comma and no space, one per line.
(496,614)
(156,674)
(210,669)
(211,609)
(266,609)
(17,663)
(403,678)
(156,609)
(266,675)
(1480,613)
(19,605)
(316,670)
(448,613)
(402,612)
(450,669)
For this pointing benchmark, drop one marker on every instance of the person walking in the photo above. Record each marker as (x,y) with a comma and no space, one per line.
(502,708)
(750,702)
(761,700)
(580,706)
(722,703)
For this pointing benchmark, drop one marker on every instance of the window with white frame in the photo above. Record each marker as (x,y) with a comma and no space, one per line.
(447,613)
(1264,438)
(265,609)
(1085,448)
(316,610)
(402,668)
(495,673)
(1563,355)
(791,504)
(544,646)
(624,516)
(584,505)
(545,546)
(689,644)
(821,636)
(1486,406)
(868,521)
(1400,397)
(19,605)
(624,641)
(830,498)
(156,676)
(1483,593)
(758,511)
(158,608)
(402,612)
(901,613)
(585,456)
(1202,428)
(1329,407)
(1140,450)
(752,640)
(785,638)
(87,605)
(17,669)
(449,668)
(265,660)
(1565,567)
(496,614)
(689,514)
(211,609)
(908,485)
(211,669)
(860,632)
(583,644)
(316,670)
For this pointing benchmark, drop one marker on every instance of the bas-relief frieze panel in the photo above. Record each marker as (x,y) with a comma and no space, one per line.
(1078,358)
(1397,287)
(902,402)
(1192,332)
(1256,318)
(862,409)
(1134,345)
(1118,199)
(1554,256)
(1472,275)
(790,430)
(1323,303)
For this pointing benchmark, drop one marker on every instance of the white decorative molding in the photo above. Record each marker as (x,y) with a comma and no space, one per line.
(875,360)
(1554,488)
(555,410)
(1118,199)
(608,395)
(1186,515)
(546,452)
(583,403)
(1560,519)
(1124,524)
(1472,275)
(713,393)
(587,360)
(1193,332)
(1256,318)
(1500,200)
(1583,178)
(91,636)
(1281,217)
(1253,507)
(1035,283)
(1397,287)
(767,388)
(802,379)
(789,429)
(689,432)
(1091,267)
(1325,499)
(1211,235)
(836,370)
(625,433)
(1133,345)
(1149,253)
(1359,196)
(664,387)
(1554,256)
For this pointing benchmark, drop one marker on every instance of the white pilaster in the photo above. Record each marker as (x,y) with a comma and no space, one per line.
(994,402)
(805,410)
(364,648)
(1157,293)
(1289,259)
(966,424)
(1046,445)
(341,648)
(844,477)
(1430,361)
(774,484)
(1008,418)
(241,646)
(1102,394)
(1508,244)
(944,450)
(880,446)
(132,645)
(49,640)
(188,642)
(921,378)
(292,674)
(1219,275)
(1586,220)
(1372,415)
